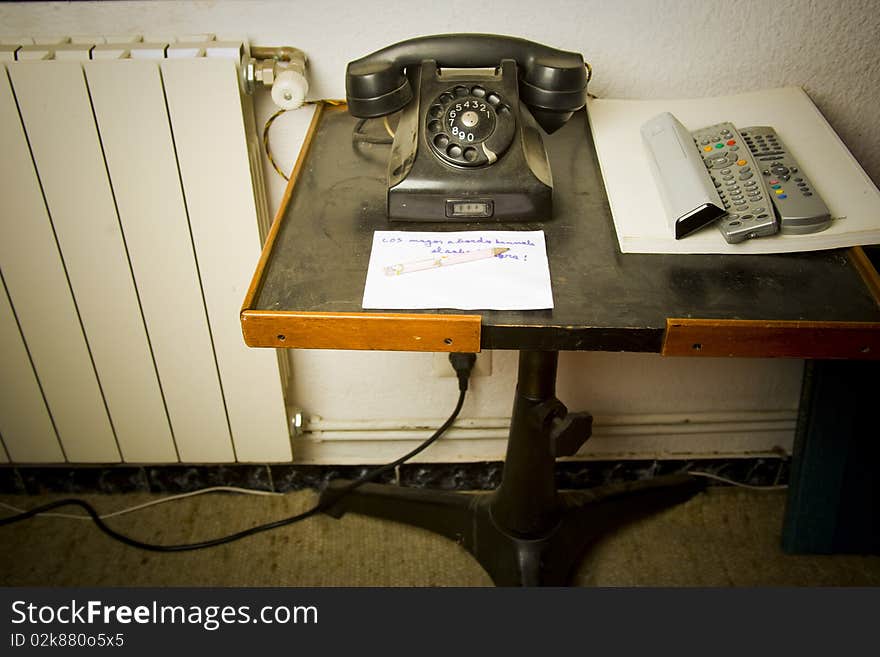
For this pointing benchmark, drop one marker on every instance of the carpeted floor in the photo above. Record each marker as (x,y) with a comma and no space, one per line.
(722,537)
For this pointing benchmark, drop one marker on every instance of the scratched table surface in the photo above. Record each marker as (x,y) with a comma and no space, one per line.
(603,300)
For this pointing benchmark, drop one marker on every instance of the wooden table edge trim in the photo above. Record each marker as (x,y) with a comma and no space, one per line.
(257,279)
(362,331)
(747,338)
(866,269)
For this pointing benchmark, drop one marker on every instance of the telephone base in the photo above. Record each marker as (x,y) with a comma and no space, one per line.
(410,205)
(493,169)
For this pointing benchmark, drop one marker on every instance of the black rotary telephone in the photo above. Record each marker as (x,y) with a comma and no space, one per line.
(467,147)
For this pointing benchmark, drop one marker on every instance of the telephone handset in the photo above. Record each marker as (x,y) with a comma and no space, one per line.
(467,147)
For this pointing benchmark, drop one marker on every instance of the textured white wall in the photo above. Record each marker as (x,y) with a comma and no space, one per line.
(637,49)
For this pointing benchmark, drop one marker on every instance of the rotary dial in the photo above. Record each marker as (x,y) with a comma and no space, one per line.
(469,126)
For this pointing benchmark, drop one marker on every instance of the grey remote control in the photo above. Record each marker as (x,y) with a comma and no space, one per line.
(738,179)
(801,210)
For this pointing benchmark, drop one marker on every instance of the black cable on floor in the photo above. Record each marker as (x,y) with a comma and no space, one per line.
(323,505)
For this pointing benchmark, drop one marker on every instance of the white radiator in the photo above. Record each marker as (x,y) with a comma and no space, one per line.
(132,214)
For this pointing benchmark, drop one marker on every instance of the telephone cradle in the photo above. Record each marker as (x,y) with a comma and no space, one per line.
(468,147)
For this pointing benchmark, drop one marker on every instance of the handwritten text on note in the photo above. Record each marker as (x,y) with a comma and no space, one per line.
(458,270)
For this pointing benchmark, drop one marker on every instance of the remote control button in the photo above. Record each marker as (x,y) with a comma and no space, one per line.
(719,145)
(731,142)
(794,169)
(779,192)
(776,186)
(724,172)
(703,142)
(758,211)
(734,148)
(747,216)
(741,163)
(734,223)
(745,169)
(726,177)
(782,196)
(745,175)
(707,148)
(797,180)
(741,207)
(805,194)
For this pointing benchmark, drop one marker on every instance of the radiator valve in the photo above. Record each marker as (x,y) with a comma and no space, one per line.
(283,69)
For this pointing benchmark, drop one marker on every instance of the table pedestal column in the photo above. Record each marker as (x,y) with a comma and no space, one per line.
(525,533)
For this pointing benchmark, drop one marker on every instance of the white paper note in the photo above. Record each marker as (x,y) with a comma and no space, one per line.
(518,279)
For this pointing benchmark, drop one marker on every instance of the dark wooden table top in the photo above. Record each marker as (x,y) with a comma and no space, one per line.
(316,262)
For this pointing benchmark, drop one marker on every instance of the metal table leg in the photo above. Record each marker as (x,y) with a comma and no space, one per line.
(525,533)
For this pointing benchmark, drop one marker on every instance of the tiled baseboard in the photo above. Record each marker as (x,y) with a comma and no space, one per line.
(283,478)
